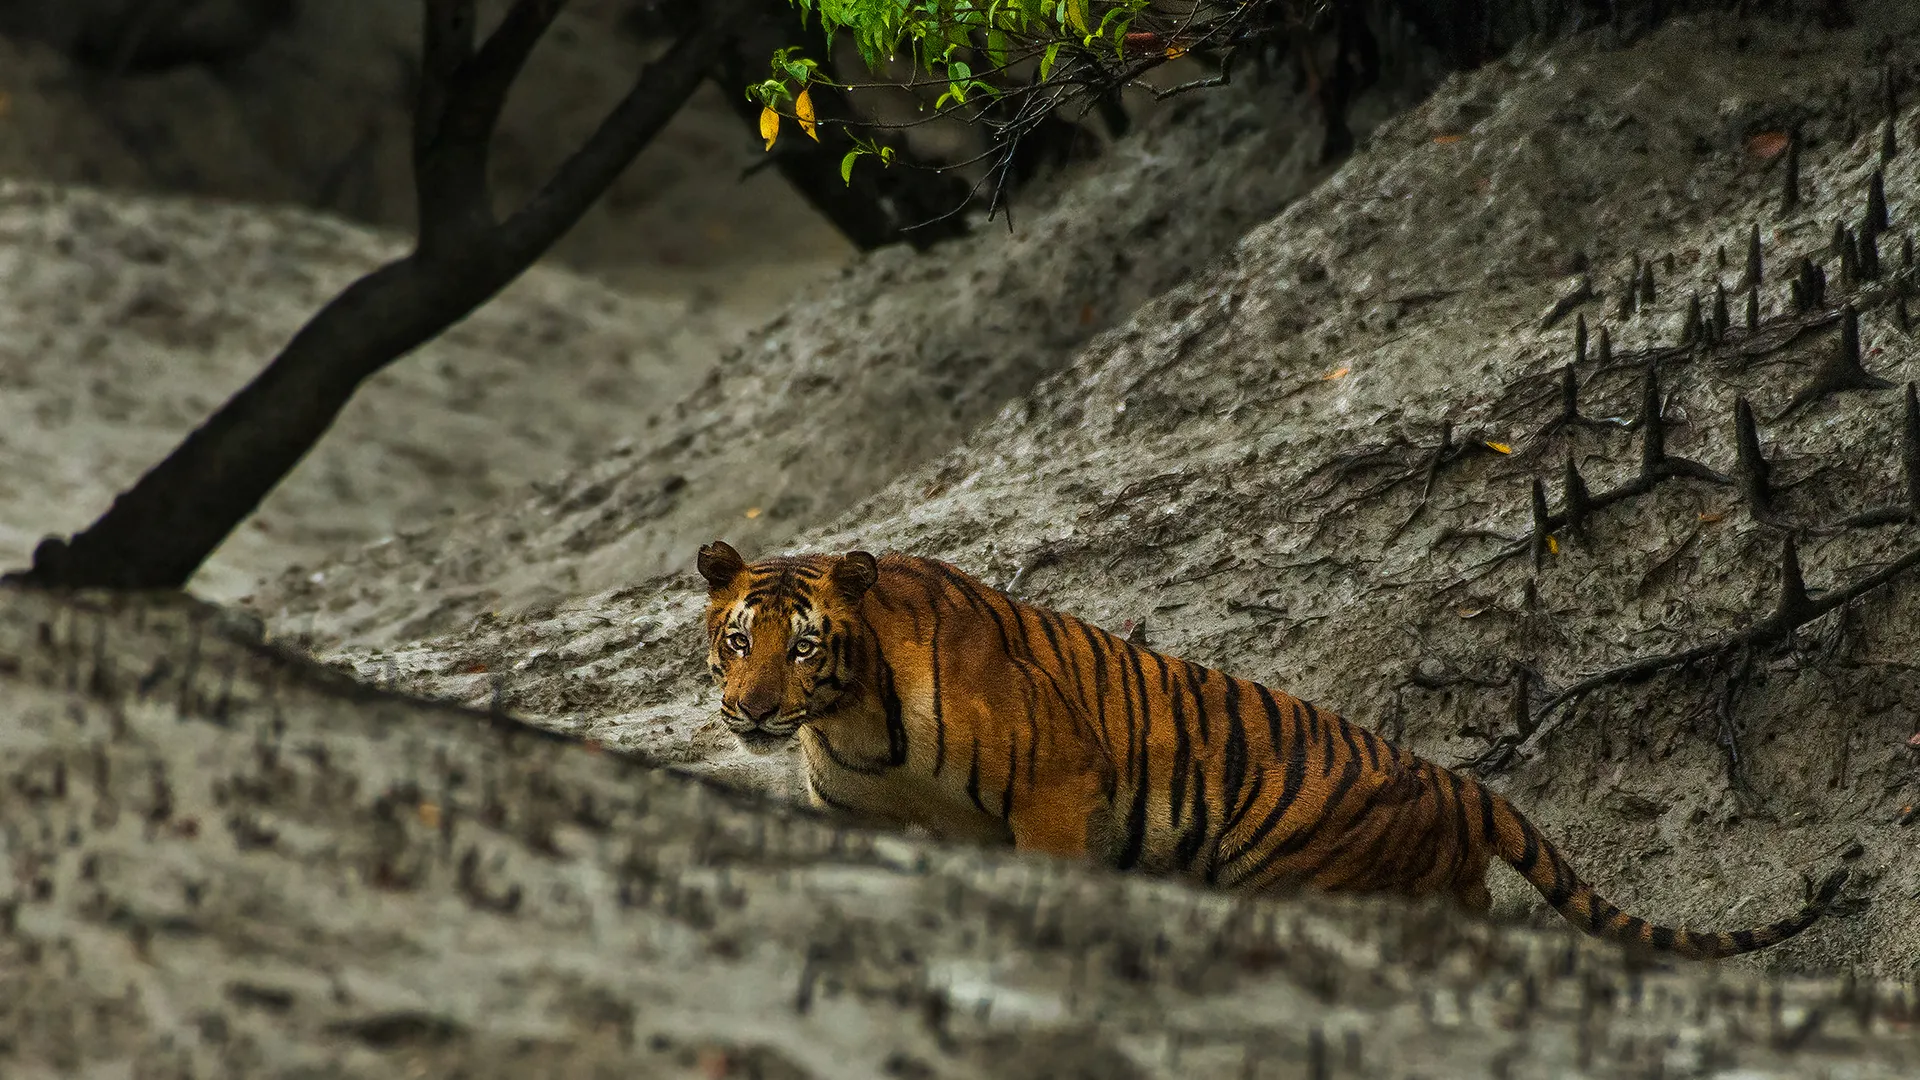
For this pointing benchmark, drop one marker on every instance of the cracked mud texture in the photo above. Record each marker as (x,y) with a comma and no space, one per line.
(1220,466)
(226,861)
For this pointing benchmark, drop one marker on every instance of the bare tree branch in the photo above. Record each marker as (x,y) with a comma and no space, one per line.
(158,532)
(492,72)
(662,88)
(447,202)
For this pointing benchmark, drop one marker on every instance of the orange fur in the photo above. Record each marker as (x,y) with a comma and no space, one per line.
(923,696)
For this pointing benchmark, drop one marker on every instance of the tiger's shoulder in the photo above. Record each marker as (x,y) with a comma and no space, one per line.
(932,579)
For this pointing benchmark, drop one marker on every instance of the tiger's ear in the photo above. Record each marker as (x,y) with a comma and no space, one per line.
(720,565)
(855,573)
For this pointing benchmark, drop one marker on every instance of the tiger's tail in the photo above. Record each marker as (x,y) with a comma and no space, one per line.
(1528,851)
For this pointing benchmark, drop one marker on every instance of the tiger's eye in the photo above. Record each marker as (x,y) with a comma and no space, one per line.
(738,642)
(803,649)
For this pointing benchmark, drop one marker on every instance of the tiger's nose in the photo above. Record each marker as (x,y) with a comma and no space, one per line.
(760,709)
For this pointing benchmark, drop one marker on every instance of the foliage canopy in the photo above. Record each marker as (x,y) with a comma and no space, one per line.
(1011,63)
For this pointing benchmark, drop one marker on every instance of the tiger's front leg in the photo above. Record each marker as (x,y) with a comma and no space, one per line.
(1067,809)
(1061,816)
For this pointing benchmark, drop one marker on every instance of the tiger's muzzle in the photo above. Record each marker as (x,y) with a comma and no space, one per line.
(764,734)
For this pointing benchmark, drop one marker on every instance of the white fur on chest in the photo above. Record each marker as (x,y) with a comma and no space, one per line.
(901,795)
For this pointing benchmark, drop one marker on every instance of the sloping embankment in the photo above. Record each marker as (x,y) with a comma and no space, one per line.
(1245,464)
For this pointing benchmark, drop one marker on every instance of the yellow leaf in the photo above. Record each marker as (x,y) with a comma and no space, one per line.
(1500,448)
(1711,518)
(1553,546)
(1077,15)
(1336,373)
(1175,52)
(429,815)
(803,112)
(769,125)
(753,512)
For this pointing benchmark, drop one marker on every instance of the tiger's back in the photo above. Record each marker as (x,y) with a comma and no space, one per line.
(941,702)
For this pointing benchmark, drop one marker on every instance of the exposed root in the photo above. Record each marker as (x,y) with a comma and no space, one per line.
(1842,370)
(1793,608)
(1910,464)
(1755,474)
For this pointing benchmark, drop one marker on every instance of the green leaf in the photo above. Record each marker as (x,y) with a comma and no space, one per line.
(769,92)
(1047,59)
(846,167)
(997,48)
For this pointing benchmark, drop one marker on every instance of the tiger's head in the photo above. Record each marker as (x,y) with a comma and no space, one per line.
(785,639)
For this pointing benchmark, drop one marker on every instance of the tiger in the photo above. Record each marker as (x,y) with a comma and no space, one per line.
(921,696)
